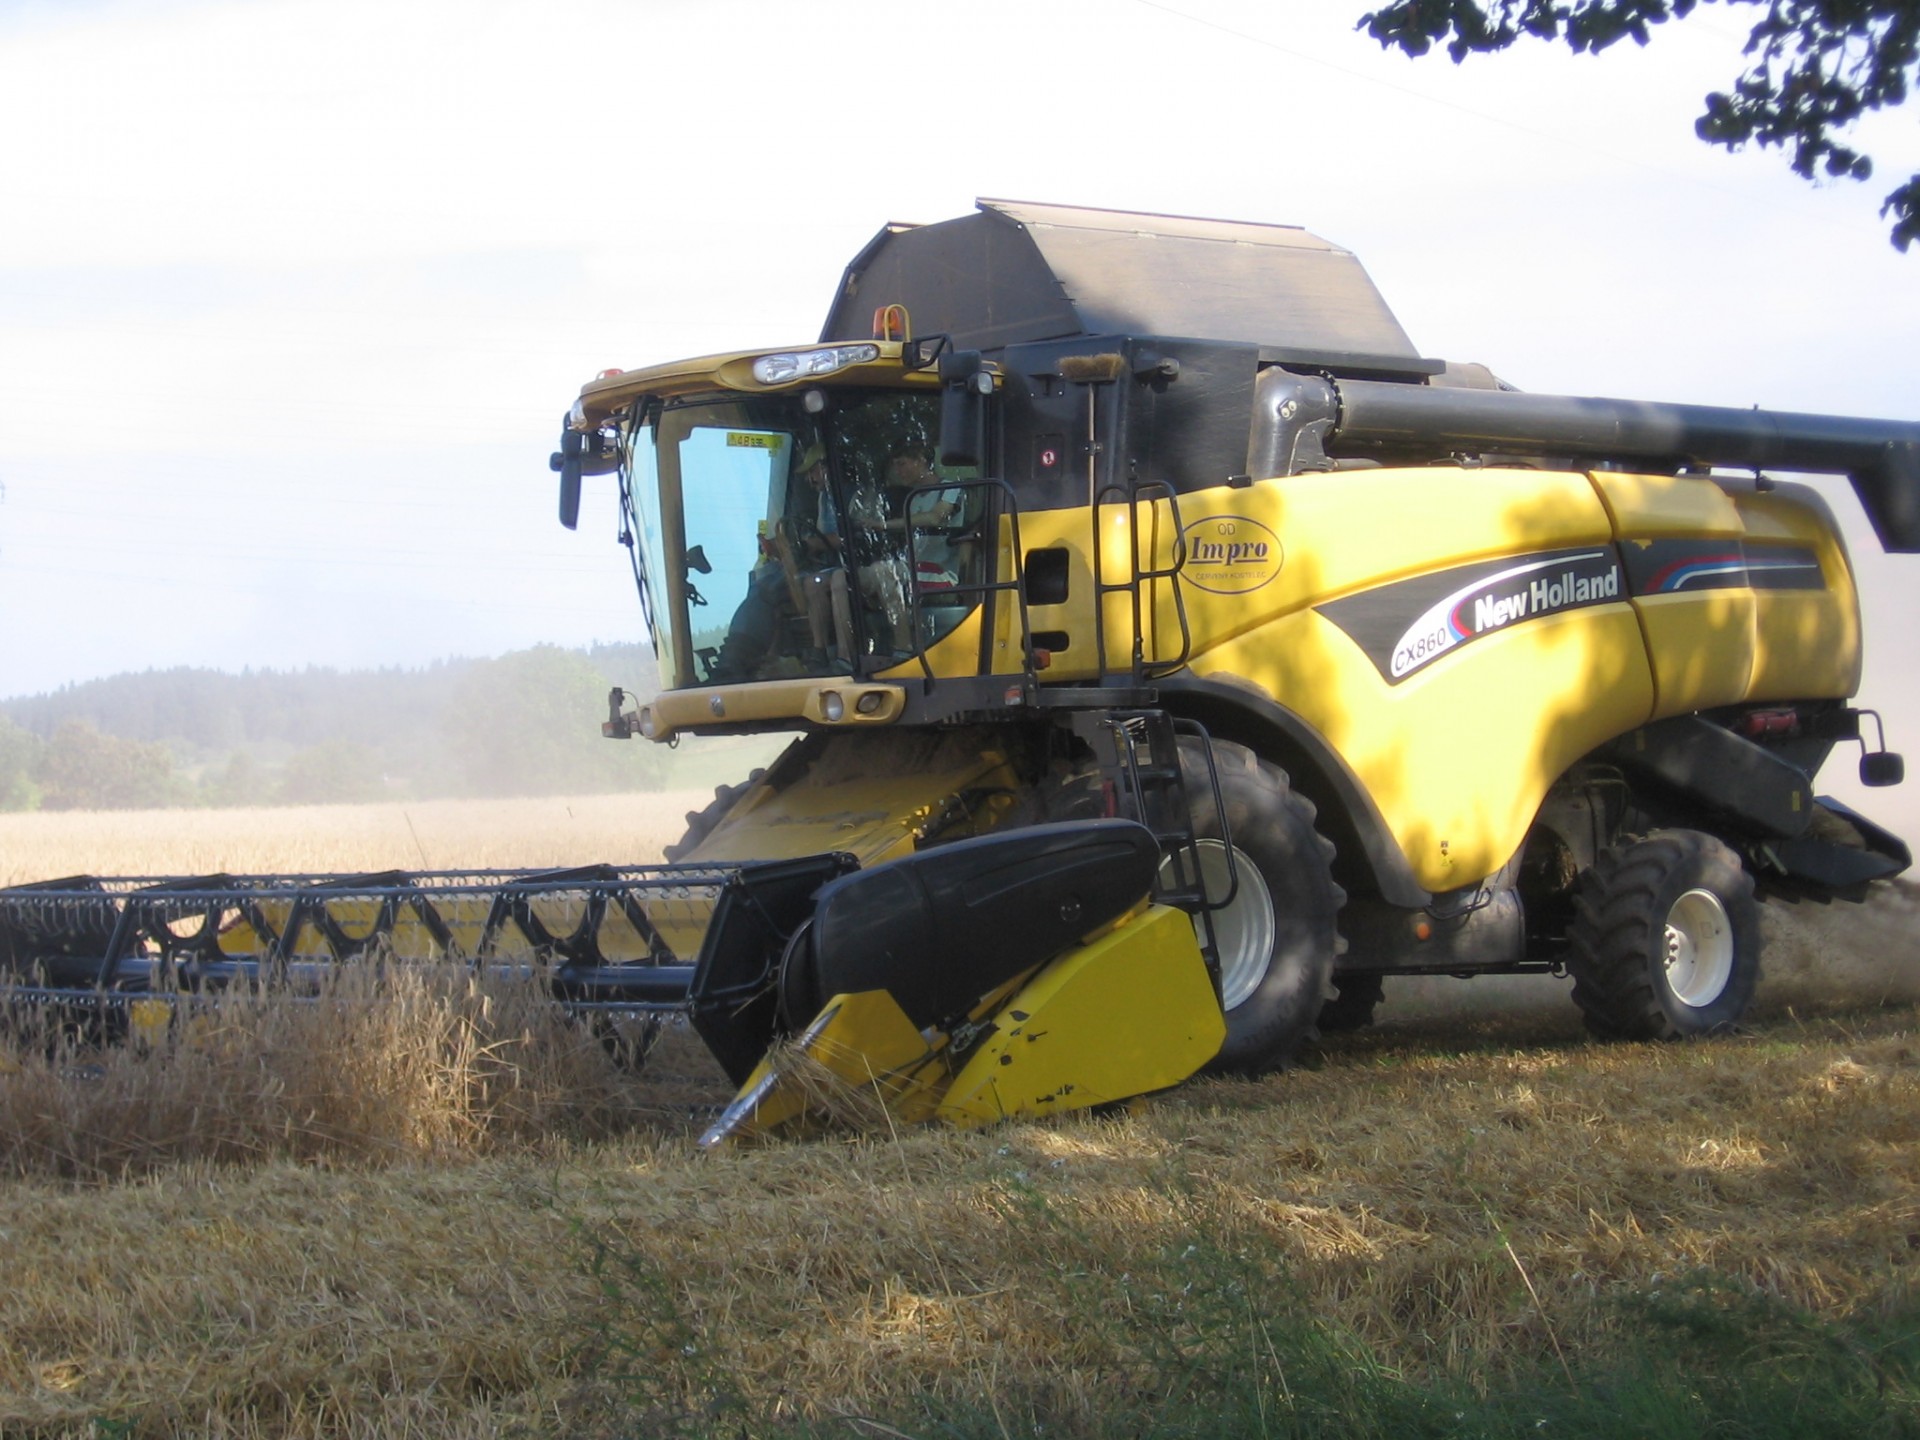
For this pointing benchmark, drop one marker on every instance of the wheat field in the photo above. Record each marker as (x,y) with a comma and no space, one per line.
(425,835)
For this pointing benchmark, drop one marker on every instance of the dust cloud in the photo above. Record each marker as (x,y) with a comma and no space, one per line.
(1814,958)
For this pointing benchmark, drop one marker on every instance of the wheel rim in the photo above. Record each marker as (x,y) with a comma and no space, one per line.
(1699,948)
(1244,929)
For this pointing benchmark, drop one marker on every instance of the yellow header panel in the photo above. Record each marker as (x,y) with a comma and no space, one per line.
(602,399)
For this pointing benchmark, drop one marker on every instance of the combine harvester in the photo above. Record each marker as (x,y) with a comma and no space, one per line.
(1174,653)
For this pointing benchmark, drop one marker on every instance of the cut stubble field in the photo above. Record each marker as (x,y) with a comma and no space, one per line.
(435,1210)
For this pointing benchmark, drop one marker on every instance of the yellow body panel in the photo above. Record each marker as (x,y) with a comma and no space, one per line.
(1314,549)
(868,797)
(1456,754)
(957,653)
(1458,757)
(1130,1013)
(1699,644)
(601,400)
(1806,646)
(1700,648)
(1664,507)
(864,1042)
(804,699)
(1806,642)
(1721,647)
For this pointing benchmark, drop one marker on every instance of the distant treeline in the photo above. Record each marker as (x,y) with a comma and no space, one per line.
(523,724)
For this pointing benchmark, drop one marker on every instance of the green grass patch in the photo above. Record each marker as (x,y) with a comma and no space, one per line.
(1211,1339)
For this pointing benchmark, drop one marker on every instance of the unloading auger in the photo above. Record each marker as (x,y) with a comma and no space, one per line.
(1018,974)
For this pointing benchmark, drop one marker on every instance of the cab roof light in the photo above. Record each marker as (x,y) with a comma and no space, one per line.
(799,364)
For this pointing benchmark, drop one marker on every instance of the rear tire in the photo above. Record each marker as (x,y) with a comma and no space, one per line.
(1665,942)
(1279,938)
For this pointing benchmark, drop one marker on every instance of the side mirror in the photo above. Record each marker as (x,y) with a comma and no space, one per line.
(964,386)
(697,560)
(616,726)
(1882,768)
(566,462)
(919,354)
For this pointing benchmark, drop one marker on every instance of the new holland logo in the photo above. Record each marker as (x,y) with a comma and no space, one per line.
(1230,554)
(1523,592)
(1459,606)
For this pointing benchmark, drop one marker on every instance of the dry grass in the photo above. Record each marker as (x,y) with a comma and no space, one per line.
(450,1217)
(424,1062)
(1462,1210)
(413,1062)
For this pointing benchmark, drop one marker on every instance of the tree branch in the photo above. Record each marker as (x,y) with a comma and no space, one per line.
(1817,67)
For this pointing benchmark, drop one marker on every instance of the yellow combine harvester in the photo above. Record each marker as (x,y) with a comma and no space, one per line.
(1174,653)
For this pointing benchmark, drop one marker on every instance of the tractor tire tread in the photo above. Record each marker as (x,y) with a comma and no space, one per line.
(1618,937)
(1273,827)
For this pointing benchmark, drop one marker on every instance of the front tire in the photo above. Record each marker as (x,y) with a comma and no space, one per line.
(1279,938)
(1665,942)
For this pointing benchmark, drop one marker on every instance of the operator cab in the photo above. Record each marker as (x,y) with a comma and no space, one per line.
(799,534)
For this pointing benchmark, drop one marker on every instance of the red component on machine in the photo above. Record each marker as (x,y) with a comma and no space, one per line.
(1770,724)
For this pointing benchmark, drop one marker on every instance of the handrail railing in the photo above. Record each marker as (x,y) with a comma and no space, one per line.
(1014,582)
(1140,569)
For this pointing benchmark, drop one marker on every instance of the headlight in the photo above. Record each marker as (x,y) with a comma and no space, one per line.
(796,364)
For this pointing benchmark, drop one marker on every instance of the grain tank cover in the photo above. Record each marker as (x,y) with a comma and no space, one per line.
(1015,273)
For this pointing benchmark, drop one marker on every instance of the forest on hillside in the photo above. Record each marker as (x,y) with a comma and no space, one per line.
(524,723)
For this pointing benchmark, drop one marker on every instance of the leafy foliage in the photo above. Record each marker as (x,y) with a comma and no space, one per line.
(84,769)
(528,724)
(525,723)
(332,772)
(240,781)
(1816,67)
(19,762)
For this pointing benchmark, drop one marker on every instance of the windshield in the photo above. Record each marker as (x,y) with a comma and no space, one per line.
(804,533)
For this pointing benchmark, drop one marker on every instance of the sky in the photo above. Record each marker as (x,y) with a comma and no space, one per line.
(293,293)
